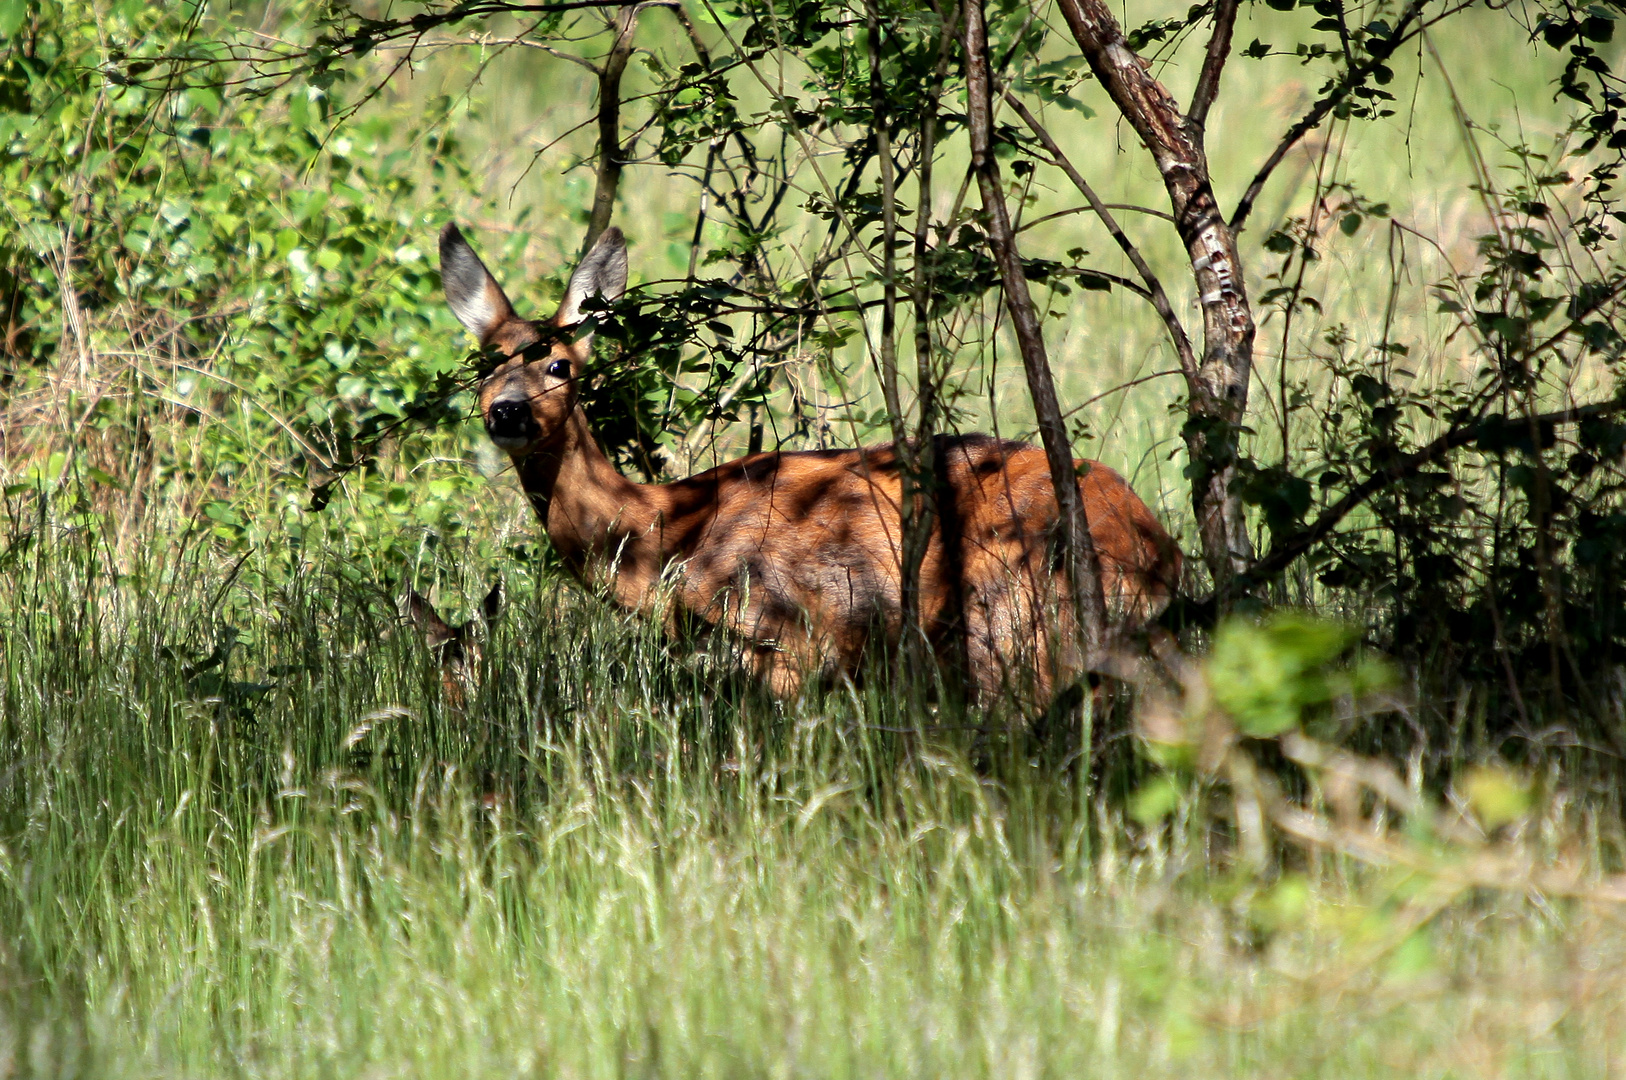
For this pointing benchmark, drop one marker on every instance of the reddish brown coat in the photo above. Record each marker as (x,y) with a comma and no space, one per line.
(797,554)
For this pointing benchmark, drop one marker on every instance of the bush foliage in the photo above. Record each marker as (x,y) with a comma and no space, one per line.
(218,300)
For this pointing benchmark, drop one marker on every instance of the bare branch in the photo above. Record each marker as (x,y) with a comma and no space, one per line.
(1219,50)
(558,54)
(1154,287)
(1131,207)
(1084,569)
(610,160)
(1120,388)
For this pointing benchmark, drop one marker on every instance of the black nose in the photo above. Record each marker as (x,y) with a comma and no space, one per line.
(510,418)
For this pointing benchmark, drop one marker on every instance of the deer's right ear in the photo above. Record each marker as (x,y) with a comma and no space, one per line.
(474,295)
(491,606)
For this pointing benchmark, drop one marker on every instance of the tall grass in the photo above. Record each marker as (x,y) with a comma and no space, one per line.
(300,860)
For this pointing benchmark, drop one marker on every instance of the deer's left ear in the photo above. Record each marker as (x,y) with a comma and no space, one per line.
(476,299)
(435,630)
(602,272)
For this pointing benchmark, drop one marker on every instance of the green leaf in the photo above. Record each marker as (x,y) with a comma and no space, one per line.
(1267,674)
(222,512)
(1412,957)
(1283,905)
(12,15)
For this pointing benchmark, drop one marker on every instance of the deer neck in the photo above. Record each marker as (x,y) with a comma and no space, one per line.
(600,522)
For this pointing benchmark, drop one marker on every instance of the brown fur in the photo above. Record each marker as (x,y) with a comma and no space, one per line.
(797,554)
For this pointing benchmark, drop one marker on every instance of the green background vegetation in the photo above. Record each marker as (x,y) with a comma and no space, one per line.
(245,831)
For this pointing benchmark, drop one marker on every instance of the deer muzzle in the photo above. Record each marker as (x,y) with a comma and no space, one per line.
(510,424)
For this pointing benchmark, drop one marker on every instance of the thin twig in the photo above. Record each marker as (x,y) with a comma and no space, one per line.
(1154,287)
(1354,78)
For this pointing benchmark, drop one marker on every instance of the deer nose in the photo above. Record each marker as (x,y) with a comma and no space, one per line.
(510,418)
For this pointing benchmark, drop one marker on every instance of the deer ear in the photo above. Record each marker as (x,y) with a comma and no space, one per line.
(602,272)
(474,295)
(491,606)
(435,630)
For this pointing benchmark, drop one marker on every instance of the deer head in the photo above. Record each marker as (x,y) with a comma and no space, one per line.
(532,392)
(455,648)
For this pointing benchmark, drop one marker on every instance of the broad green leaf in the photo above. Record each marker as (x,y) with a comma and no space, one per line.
(12,15)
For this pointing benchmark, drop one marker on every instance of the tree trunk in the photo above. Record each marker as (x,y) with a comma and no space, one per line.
(916,653)
(1217,389)
(934,504)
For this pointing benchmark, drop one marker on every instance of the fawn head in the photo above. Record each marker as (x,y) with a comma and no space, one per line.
(455,648)
(530,394)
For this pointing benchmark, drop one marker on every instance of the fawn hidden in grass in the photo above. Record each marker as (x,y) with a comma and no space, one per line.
(797,554)
(455,647)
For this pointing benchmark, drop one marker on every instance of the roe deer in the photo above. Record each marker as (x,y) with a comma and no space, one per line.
(456,649)
(797,553)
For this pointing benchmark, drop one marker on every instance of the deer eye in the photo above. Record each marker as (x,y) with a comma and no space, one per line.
(559,369)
